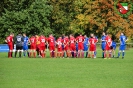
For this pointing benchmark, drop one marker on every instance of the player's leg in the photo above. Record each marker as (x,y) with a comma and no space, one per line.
(123,51)
(74,50)
(67,49)
(31,51)
(10,51)
(89,52)
(43,51)
(93,54)
(24,49)
(20,50)
(16,50)
(50,49)
(103,51)
(86,52)
(123,54)
(53,52)
(110,52)
(58,53)
(105,54)
(120,50)
(34,51)
(71,52)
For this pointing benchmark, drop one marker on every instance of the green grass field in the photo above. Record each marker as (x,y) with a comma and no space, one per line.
(66,73)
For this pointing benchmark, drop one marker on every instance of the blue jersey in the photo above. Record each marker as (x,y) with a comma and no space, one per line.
(114,45)
(103,38)
(86,41)
(103,42)
(123,40)
(26,41)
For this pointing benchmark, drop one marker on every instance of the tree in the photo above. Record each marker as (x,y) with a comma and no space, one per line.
(32,18)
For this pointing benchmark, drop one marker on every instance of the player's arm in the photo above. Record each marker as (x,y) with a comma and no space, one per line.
(96,40)
(126,39)
(103,40)
(6,40)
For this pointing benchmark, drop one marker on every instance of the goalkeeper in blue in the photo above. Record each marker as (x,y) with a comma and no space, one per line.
(122,47)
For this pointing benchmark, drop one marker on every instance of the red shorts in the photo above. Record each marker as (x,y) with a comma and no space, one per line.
(92,48)
(59,49)
(32,46)
(10,46)
(107,48)
(42,48)
(66,48)
(52,48)
(72,48)
(80,47)
(38,47)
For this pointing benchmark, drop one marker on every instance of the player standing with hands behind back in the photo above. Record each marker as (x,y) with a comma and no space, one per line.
(122,47)
(19,44)
(92,42)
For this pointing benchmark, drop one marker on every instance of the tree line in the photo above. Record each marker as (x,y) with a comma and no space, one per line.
(63,17)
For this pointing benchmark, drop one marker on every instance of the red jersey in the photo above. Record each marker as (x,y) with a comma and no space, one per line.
(43,40)
(92,42)
(51,41)
(108,41)
(72,40)
(59,43)
(33,40)
(80,39)
(65,41)
(9,40)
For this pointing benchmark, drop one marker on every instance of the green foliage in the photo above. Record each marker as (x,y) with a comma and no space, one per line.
(63,17)
(33,19)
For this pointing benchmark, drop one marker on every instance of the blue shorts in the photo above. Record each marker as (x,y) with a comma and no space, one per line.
(25,47)
(103,46)
(122,47)
(85,48)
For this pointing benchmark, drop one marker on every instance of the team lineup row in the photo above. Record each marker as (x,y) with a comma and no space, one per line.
(67,46)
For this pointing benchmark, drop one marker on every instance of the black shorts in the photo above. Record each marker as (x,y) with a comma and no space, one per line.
(19,47)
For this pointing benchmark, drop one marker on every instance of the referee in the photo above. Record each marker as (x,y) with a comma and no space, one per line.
(19,44)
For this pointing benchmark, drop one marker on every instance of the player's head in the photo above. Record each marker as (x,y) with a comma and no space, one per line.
(50,35)
(103,33)
(63,35)
(41,35)
(92,35)
(36,35)
(80,34)
(24,34)
(71,35)
(19,34)
(122,33)
(60,38)
(66,36)
(11,34)
(85,36)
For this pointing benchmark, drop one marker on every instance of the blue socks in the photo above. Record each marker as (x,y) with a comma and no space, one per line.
(103,54)
(119,54)
(123,54)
